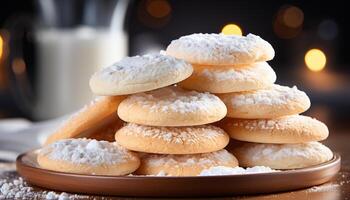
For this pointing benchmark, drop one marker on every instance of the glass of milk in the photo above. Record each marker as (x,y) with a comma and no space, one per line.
(72,40)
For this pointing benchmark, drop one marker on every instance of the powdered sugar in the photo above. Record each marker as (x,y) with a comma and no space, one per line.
(17,188)
(175,99)
(223,170)
(283,151)
(218,48)
(240,74)
(276,124)
(179,135)
(86,151)
(142,69)
(217,158)
(276,95)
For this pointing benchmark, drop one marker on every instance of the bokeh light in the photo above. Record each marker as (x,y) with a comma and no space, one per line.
(293,17)
(315,60)
(1,46)
(158,8)
(328,29)
(231,29)
(288,22)
(18,66)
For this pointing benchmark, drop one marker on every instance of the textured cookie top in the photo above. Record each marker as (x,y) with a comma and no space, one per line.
(204,159)
(139,74)
(282,123)
(219,49)
(282,151)
(174,99)
(86,151)
(178,135)
(240,74)
(275,95)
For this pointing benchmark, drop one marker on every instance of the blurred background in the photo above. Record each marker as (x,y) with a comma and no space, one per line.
(50,48)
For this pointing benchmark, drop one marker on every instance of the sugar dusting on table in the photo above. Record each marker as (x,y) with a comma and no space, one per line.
(222,170)
(17,188)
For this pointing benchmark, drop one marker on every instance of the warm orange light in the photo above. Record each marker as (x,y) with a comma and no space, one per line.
(231,29)
(293,17)
(315,60)
(1,46)
(158,8)
(18,66)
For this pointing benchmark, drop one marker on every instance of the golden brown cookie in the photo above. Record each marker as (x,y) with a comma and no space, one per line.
(86,156)
(172,140)
(184,165)
(99,113)
(288,129)
(172,106)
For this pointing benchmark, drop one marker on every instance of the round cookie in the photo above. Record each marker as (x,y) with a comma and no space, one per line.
(99,113)
(226,79)
(219,49)
(85,156)
(139,74)
(282,156)
(184,165)
(172,140)
(272,102)
(172,106)
(288,129)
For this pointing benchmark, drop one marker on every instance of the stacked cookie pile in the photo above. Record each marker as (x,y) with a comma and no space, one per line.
(166,124)
(159,110)
(262,114)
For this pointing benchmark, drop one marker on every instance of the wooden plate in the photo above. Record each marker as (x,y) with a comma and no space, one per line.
(191,186)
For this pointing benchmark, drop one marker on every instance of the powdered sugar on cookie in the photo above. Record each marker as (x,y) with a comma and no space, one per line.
(176,100)
(86,151)
(276,124)
(178,135)
(276,95)
(221,49)
(204,159)
(222,170)
(283,151)
(246,74)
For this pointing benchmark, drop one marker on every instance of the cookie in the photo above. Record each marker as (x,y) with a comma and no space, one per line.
(219,49)
(282,156)
(272,102)
(172,106)
(226,79)
(99,113)
(288,129)
(85,156)
(139,74)
(107,131)
(184,165)
(172,140)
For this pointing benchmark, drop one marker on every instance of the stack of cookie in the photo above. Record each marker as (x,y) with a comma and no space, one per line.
(167,105)
(168,125)
(262,114)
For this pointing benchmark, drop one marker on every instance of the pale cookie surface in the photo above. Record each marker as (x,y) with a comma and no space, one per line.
(172,106)
(172,140)
(288,129)
(226,79)
(184,165)
(219,49)
(282,156)
(86,156)
(272,102)
(139,74)
(100,112)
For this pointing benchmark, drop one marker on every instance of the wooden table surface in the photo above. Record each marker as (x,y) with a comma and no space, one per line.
(338,188)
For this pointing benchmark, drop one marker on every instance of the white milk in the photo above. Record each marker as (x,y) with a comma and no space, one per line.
(66,59)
